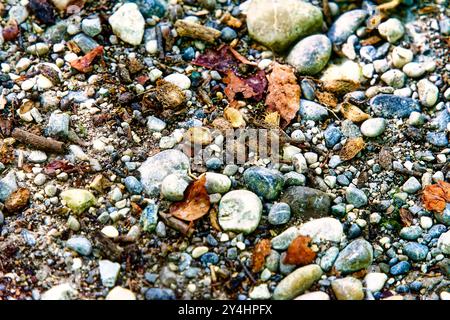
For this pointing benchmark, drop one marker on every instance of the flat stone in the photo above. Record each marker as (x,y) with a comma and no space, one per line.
(357,255)
(109,271)
(310,55)
(328,229)
(346,25)
(264,182)
(306,202)
(348,288)
(392,106)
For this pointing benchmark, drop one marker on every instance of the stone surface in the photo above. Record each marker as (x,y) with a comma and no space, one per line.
(264,182)
(277,24)
(373,127)
(78,200)
(240,211)
(297,282)
(357,255)
(348,288)
(328,229)
(310,55)
(346,25)
(392,106)
(306,202)
(128,24)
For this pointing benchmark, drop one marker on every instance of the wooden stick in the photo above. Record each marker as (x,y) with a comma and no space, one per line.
(196,31)
(177,224)
(39,142)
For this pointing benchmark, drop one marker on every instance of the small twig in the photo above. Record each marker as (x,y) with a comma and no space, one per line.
(159,41)
(176,224)
(247,272)
(39,142)
(196,31)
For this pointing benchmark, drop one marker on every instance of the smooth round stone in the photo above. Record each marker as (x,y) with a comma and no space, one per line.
(65,291)
(294,179)
(346,25)
(278,24)
(328,259)
(375,281)
(392,30)
(80,244)
(444,243)
(273,261)
(91,27)
(199,251)
(410,233)
(128,24)
(109,271)
(412,185)
(373,127)
(149,217)
(266,183)
(356,197)
(260,292)
(173,187)
(394,78)
(348,288)
(401,56)
(307,202)
(155,124)
(438,139)
(240,211)
(315,295)
(227,34)
(400,268)
(355,256)
(151,8)
(180,80)
(73,223)
(297,282)
(414,69)
(415,251)
(18,13)
(78,200)
(159,294)
(284,239)
(310,55)
(217,183)
(280,213)
(119,293)
(84,42)
(310,110)
(156,168)
(332,136)
(209,258)
(328,229)
(285,268)
(110,231)
(133,185)
(428,93)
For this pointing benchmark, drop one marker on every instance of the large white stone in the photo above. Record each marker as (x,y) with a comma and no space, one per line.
(128,23)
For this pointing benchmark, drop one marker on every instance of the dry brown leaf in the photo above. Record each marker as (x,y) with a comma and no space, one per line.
(195,204)
(251,87)
(327,99)
(272,119)
(351,148)
(260,252)
(406,217)
(435,196)
(340,87)
(353,113)
(299,253)
(283,92)
(213,219)
(6,153)
(17,200)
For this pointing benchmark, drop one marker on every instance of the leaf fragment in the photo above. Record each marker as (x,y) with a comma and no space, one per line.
(283,92)
(299,253)
(260,252)
(351,148)
(195,204)
(340,87)
(84,64)
(435,196)
(252,87)
(353,113)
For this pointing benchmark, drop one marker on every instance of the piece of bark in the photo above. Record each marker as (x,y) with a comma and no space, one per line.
(196,31)
(177,224)
(38,142)
(107,247)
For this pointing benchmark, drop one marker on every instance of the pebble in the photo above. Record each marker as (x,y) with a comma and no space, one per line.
(310,110)
(346,25)
(415,251)
(357,255)
(199,251)
(173,187)
(428,93)
(394,78)
(392,30)
(412,185)
(410,233)
(414,69)
(159,294)
(80,244)
(310,55)
(391,106)
(133,185)
(373,127)
(401,56)
(356,197)
(78,200)
(109,271)
(328,259)
(260,292)
(278,25)
(149,217)
(180,80)
(264,182)
(297,282)
(280,213)
(64,291)
(348,288)
(240,211)
(307,202)
(400,268)
(128,24)
(444,243)
(119,293)
(282,241)
(91,26)
(315,295)
(323,229)
(375,281)
(217,183)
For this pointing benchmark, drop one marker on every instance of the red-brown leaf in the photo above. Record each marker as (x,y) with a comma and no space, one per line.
(62,165)
(222,60)
(284,93)
(11,30)
(251,87)
(84,64)
(435,196)
(299,253)
(260,252)
(195,204)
